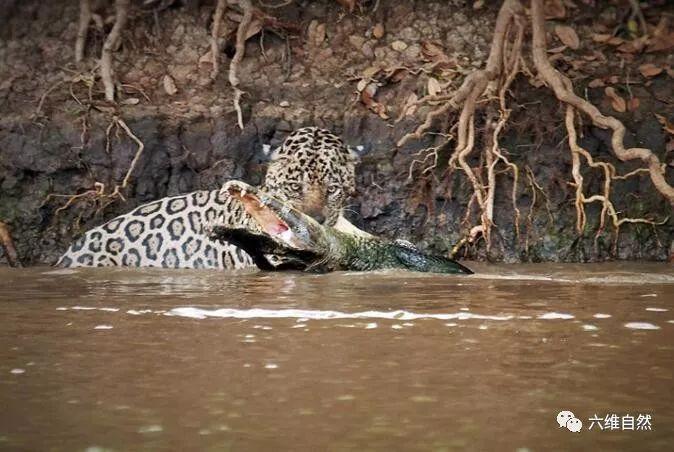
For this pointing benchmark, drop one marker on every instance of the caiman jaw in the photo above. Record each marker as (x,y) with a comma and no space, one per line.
(275,219)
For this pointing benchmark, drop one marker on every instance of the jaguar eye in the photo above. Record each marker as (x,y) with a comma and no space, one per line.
(294,186)
(332,189)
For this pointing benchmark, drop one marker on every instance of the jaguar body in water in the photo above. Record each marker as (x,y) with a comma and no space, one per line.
(286,238)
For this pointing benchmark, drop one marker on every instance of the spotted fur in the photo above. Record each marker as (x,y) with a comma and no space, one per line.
(312,170)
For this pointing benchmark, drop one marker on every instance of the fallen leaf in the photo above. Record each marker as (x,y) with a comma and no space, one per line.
(557,49)
(432,50)
(398,45)
(661,43)
(130,101)
(362,84)
(433,86)
(367,97)
(409,107)
(615,41)
(601,38)
(206,58)
(568,36)
(554,9)
(349,5)
(649,70)
(617,102)
(316,33)
(633,46)
(378,31)
(370,72)
(666,125)
(169,85)
(478,4)
(596,83)
(633,104)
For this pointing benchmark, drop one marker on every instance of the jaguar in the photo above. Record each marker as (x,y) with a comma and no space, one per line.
(313,171)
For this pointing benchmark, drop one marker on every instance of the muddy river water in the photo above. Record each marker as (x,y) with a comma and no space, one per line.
(122,359)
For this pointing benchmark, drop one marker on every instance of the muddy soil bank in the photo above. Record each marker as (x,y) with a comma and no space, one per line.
(55,135)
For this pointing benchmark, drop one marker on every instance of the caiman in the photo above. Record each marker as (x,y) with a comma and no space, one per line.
(285,238)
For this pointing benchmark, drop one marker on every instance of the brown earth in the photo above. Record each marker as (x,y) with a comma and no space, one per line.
(311,76)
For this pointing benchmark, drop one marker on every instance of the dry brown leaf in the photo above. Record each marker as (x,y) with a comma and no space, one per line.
(367,97)
(410,106)
(370,72)
(596,83)
(169,85)
(617,102)
(568,36)
(349,5)
(432,51)
(433,86)
(557,49)
(554,9)
(661,43)
(649,70)
(633,46)
(478,4)
(666,125)
(206,58)
(130,101)
(615,41)
(316,33)
(601,38)
(378,31)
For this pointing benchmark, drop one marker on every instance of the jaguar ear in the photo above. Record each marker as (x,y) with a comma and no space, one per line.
(355,153)
(268,153)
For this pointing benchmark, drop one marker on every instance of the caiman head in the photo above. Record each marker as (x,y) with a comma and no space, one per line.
(285,238)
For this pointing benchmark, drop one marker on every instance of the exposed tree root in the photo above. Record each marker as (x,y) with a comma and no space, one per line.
(238,56)
(111,43)
(563,89)
(82,29)
(8,245)
(98,193)
(215,37)
(504,63)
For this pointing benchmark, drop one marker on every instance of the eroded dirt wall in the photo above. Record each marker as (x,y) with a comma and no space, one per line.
(53,120)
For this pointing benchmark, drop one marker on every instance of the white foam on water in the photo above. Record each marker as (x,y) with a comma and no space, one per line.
(649,295)
(17,371)
(555,316)
(103,327)
(590,327)
(306,315)
(139,312)
(641,326)
(657,309)
(86,308)
(601,316)
(61,271)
